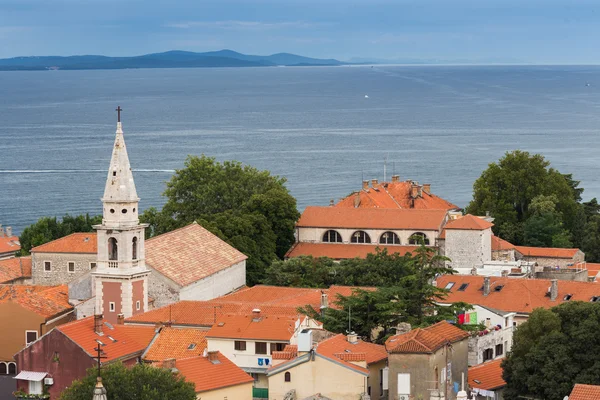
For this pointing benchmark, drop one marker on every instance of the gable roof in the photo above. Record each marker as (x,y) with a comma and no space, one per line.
(548,252)
(9,244)
(15,268)
(206,375)
(127,341)
(339,347)
(263,327)
(46,301)
(585,392)
(488,375)
(175,343)
(396,194)
(189,254)
(372,218)
(499,244)
(425,340)
(516,294)
(83,242)
(343,251)
(469,222)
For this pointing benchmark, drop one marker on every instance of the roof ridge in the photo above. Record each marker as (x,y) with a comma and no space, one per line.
(178,229)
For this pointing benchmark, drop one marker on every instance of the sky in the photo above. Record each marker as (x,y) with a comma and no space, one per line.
(480,31)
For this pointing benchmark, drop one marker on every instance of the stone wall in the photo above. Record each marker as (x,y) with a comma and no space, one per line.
(162,290)
(554,262)
(59,273)
(468,248)
(564,274)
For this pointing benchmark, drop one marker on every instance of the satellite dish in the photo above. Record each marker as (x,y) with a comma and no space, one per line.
(566,398)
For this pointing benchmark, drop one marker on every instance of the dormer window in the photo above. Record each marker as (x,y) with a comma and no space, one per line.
(595,299)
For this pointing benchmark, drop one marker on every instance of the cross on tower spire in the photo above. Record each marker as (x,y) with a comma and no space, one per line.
(118,110)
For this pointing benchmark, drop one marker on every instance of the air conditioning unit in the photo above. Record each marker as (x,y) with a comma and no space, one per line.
(48,381)
(403,397)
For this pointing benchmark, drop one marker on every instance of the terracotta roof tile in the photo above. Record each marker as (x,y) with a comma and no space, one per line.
(469,222)
(425,340)
(126,340)
(9,244)
(488,375)
(365,351)
(176,343)
(47,301)
(208,376)
(516,294)
(499,244)
(15,268)
(548,252)
(264,327)
(585,392)
(395,195)
(189,254)
(372,218)
(342,251)
(290,351)
(74,243)
(351,356)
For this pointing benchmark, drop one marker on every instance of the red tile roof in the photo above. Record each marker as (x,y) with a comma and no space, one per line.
(499,244)
(517,294)
(585,392)
(488,375)
(547,252)
(189,254)
(425,340)
(206,375)
(46,301)
(290,351)
(176,343)
(395,195)
(469,222)
(339,347)
(372,218)
(74,243)
(9,244)
(342,251)
(15,268)
(129,341)
(263,327)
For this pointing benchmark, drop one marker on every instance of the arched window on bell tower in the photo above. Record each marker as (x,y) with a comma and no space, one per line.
(113,251)
(134,246)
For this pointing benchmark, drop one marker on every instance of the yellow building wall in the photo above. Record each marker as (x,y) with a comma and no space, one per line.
(319,376)
(238,392)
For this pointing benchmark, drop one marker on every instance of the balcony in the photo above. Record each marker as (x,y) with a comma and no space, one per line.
(113,264)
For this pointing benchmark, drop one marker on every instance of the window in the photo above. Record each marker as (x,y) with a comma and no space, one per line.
(418,238)
(30,336)
(332,237)
(499,350)
(449,286)
(12,368)
(71,266)
(260,348)
(134,248)
(360,237)
(389,238)
(288,377)
(567,297)
(3,368)
(92,265)
(277,347)
(498,288)
(239,345)
(488,354)
(137,305)
(595,299)
(463,287)
(111,306)
(47,266)
(191,346)
(113,250)
(35,387)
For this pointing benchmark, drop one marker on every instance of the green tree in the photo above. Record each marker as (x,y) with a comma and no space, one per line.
(508,187)
(250,209)
(554,350)
(47,229)
(305,271)
(140,382)
(591,241)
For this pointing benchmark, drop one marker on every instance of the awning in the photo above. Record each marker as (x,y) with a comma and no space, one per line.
(31,376)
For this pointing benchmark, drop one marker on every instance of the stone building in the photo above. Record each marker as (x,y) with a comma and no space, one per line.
(495,338)
(468,242)
(426,359)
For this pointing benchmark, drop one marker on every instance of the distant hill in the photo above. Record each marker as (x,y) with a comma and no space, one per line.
(169,59)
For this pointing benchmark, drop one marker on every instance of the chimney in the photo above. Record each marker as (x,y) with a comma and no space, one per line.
(331,203)
(324,301)
(395,178)
(373,182)
(120,319)
(256,315)
(553,289)
(427,188)
(169,363)
(1,231)
(213,356)
(98,324)
(9,231)
(365,185)
(403,327)
(352,337)
(414,191)
(486,285)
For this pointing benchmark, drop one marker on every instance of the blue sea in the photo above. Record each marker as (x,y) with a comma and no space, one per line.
(313,125)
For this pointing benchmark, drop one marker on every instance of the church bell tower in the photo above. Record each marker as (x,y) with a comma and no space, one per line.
(121,277)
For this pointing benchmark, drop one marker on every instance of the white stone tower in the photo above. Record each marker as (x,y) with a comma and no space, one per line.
(121,277)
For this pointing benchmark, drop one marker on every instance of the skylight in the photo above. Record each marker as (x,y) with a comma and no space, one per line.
(567,297)
(463,287)
(498,288)
(449,285)
(192,346)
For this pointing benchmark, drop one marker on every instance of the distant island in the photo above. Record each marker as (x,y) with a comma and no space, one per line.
(169,59)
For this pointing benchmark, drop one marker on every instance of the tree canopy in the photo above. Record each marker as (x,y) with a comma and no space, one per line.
(554,350)
(140,382)
(47,229)
(250,209)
